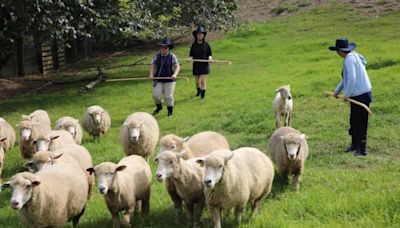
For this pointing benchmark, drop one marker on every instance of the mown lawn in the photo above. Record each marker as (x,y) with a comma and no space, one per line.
(337,190)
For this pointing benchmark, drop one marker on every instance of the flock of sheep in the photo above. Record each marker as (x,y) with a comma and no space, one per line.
(200,171)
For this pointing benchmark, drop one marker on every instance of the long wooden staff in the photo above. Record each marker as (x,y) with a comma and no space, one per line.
(208,61)
(144,78)
(352,101)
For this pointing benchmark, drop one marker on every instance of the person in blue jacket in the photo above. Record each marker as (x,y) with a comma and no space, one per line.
(356,85)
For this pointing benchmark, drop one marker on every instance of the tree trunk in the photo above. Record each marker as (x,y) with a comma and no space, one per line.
(20,55)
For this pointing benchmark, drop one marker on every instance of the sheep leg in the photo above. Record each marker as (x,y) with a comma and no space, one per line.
(285,178)
(286,119)
(116,221)
(296,181)
(127,216)
(198,210)
(289,118)
(238,215)
(75,220)
(146,203)
(189,210)
(277,120)
(216,216)
(176,199)
(255,206)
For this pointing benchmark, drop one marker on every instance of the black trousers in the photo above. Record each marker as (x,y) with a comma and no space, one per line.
(359,121)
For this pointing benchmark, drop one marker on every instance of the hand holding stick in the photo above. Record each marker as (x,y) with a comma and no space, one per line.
(351,101)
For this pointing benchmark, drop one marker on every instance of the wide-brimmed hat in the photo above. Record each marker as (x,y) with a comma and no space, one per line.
(199,29)
(166,42)
(342,44)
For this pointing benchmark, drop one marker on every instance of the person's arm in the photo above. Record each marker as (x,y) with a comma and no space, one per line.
(191,52)
(339,88)
(209,53)
(151,76)
(177,67)
(349,76)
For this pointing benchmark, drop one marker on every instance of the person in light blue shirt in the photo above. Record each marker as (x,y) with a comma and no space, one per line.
(356,85)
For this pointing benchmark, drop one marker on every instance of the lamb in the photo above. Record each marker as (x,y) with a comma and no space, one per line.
(68,153)
(53,140)
(282,106)
(187,176)
(233,179)
(289,150)
(123,184)
(49,198)
(72,126)
(39,116)
(29,130)
(198,145)
(139,134)
(7,132)
(96,121)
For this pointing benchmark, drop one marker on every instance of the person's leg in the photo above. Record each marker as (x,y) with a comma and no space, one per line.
(203,85)
(362,147)
(352,133)
(157,95)
(169,89)
(197,80)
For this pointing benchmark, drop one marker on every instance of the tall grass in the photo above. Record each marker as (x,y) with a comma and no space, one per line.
(337,190)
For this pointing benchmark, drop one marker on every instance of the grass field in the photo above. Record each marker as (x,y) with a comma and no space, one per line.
(337,189)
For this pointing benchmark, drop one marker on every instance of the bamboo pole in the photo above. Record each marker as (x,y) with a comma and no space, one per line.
(351,101)
(208,61)
(144,78)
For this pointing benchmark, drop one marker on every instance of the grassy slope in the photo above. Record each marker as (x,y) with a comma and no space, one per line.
(337,189)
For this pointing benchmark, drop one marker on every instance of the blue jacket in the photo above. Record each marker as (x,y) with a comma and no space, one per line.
(355,79)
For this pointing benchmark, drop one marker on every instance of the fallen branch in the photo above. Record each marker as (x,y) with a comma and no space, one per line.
(41,87)
(351,101)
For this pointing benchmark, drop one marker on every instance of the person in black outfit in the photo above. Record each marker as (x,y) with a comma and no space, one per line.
(200,50)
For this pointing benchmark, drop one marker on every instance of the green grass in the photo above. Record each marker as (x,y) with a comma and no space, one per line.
(337,189)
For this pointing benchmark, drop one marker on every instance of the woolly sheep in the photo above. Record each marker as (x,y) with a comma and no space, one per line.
(96,121)
(233,179)
(29,130)
(288,149)
(139,134)
(187,177)
(7,132)
(282,106)
(67,154)
(2,154)
(72,126)
(39,116)
(49,198)
(198,145)
(53,140)
(123,184)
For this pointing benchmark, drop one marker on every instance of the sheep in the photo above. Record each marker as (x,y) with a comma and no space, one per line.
(187,177)
(49,198)
(283,105)
(2,154)
(139,134)
(68,153)
(53,140)
(39,116)
(96,121)
(232,179)
(123,184)
(288,149)
(7,132)
(72,126)
(29,130)
(198,145)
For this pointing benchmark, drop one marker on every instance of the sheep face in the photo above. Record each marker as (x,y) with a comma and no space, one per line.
(97,116)
(41,160)
(22,186)
(134,130)
(71,129)
(170,142)
(105,173)
(292,144)
(285,92)
(25,130)
(43,143)
(168,163)
(214,169)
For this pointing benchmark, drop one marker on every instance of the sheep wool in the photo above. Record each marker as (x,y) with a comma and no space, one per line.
(96,121)
(72,126)
(282,106)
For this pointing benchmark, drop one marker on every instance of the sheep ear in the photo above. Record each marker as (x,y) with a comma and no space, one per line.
(303,136)
(3,139)
(90,170)
(200,161)
(28,165)
(35,183)
(57,156)
(156,159)
(277,90)
(5,185)
(120,168)
(54,137)
(229,157)
(185,139)
(288,86)
(181,154)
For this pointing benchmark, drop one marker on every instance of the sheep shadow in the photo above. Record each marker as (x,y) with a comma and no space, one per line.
(278,186)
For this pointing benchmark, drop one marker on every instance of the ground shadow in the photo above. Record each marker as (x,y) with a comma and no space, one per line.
(382,64)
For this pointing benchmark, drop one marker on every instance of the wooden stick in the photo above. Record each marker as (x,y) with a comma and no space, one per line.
(351,101)
(208,61)
(41,87)
(143,78)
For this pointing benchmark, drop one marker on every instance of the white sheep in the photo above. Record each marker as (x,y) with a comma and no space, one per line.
(53,140)
(288,149)
(233,179)
(72,126)
(29,130)
(123,185)
(7,132)
(49,198)
(197,145)
(2,154)
(139,134)
(282,106)
(96,121)
(39,116)
(187,177)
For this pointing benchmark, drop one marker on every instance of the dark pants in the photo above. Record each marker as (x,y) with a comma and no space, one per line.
(359,121)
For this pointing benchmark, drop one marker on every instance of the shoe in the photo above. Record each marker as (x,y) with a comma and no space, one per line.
(198,92)
(170,110)
(202,94)
(157,110)
(351,148)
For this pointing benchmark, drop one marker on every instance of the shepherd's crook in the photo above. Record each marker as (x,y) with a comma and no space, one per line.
(208,61)
(351,101)
(146,78)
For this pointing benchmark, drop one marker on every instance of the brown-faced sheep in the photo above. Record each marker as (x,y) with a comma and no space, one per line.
(123,184)
(72,126)
(139,134)
(282,106)
(96,121)
(233,179)
(288,149)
